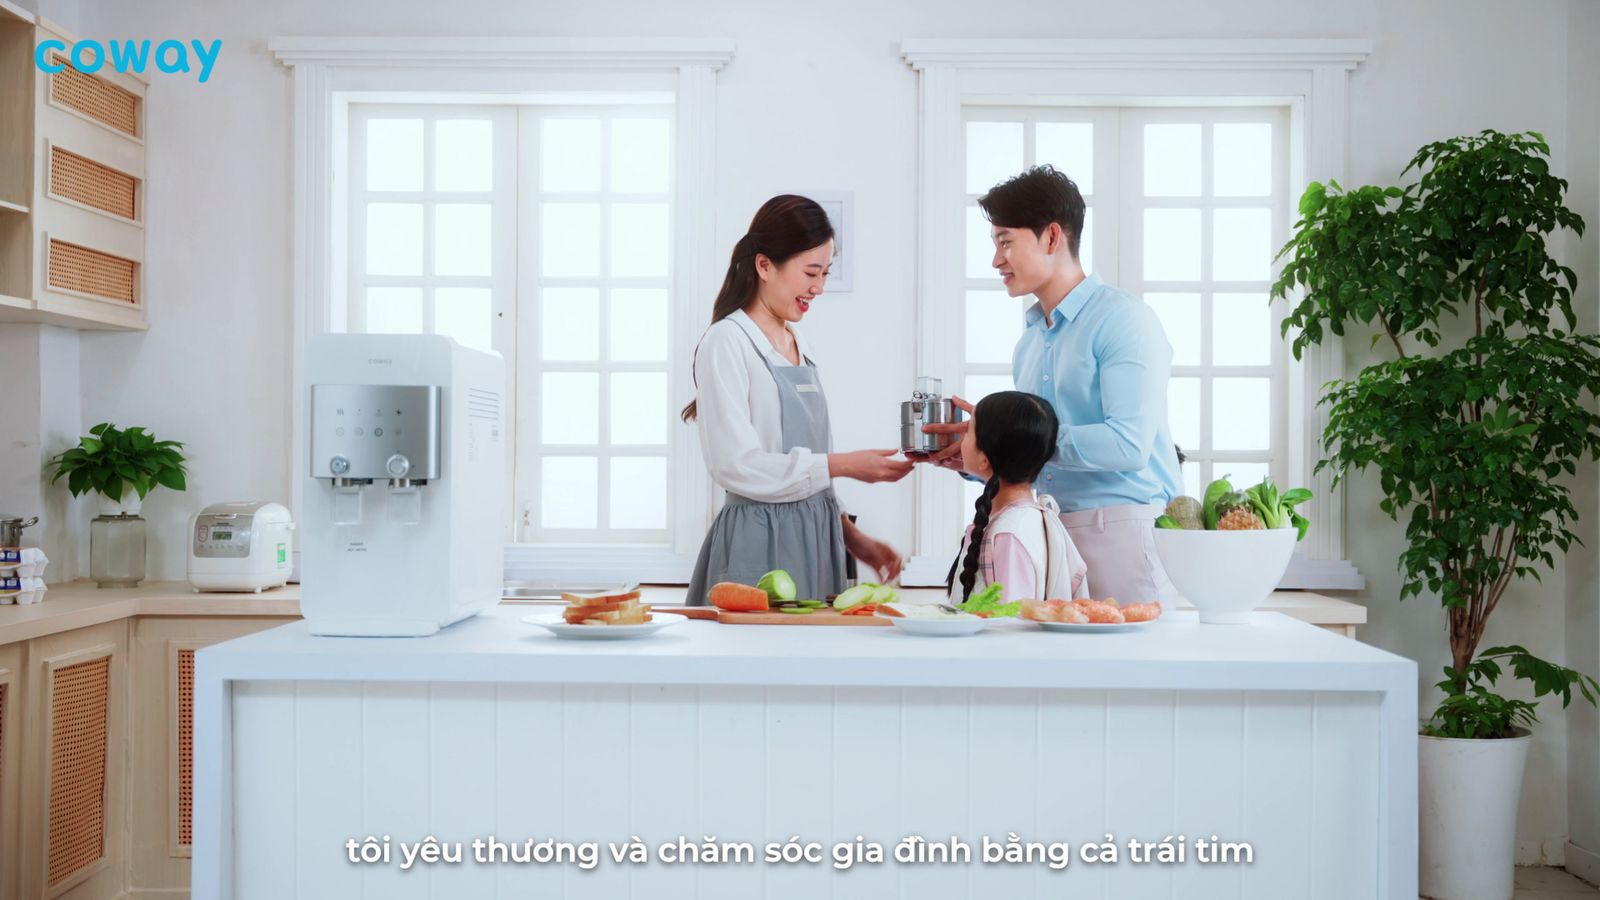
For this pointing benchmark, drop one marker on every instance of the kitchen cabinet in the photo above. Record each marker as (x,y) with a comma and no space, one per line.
(10,766)
(96,719)
(72,740)
(162,753)
(72,231)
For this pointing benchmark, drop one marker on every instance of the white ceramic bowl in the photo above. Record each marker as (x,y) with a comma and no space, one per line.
(1225,574)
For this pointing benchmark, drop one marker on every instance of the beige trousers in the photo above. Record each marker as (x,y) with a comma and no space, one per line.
(1118,543)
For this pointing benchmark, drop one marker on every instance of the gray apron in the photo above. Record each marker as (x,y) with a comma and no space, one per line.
(805,537)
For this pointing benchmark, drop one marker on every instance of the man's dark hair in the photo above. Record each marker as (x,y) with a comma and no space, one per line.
(1033,200)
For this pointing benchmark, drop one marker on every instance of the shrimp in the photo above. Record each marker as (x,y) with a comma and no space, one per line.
(1141,612)
(1103,612)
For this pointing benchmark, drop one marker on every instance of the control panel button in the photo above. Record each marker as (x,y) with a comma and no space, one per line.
(338,465)
(398,466)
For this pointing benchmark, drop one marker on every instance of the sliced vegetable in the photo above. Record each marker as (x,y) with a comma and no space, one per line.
(796,610)
(738,597)
(814,604)
(778,584)
(850,598)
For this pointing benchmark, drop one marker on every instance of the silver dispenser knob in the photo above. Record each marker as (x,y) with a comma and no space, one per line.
(339,465)
(398,466)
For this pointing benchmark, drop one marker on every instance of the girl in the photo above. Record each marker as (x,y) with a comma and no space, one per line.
(1015,539)
(763,419)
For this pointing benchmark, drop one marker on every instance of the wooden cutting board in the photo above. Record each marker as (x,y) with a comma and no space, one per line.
(821,617)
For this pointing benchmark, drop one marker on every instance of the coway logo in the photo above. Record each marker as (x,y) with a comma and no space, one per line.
(129,56)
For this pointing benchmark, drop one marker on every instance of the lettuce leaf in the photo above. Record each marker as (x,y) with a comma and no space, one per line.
(987,603)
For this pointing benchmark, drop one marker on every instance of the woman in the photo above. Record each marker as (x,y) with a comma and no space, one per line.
(763,419)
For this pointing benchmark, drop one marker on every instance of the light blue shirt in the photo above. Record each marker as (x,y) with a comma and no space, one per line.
(1103,362)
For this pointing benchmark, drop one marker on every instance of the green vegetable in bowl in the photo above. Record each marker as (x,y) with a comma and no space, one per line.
(1277,510)
(1216,492)
(1165,521)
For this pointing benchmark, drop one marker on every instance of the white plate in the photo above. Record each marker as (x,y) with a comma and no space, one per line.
(559,627)
(1091,626)
(954,626)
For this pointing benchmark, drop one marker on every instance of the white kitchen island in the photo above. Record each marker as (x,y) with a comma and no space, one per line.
(1280,735)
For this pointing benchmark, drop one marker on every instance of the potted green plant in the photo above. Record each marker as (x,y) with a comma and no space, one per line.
(121,466)
(1485,406)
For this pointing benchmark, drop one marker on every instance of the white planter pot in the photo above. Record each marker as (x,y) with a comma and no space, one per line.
(130,504)
(1467,815)
(1225,574)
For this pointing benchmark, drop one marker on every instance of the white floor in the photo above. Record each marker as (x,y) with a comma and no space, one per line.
(1551,884)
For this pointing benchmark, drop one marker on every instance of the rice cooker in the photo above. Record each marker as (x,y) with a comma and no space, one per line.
(244,546)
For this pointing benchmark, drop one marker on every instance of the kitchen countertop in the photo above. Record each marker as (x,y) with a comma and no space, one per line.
(1176,653)
(79,604)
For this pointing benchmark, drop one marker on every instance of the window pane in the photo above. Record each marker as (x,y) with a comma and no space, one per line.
(639,492)
(994,153)
(1172,244)
(994,323)
(981,386)
(1241,159)
(569,492)
(1183,412)
(639,324)
(463,155)
(980,246)
(1086,243)
(569,240)
(1069,146)
(394,239)
(461,239)
(394,310)
(1172,160)
(639,243)
(640,156)
(466,314)
(639,408)
(1242,332)
(1180,319)
(570,324)
(394,154)
(570,402)
(569,155)
(1241,414)
(1241,244)
(1243,474)
(1191,480)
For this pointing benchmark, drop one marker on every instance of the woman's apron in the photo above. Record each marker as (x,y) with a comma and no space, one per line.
(805,537)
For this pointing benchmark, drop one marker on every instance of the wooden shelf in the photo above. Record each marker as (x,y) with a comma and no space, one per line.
(7,206)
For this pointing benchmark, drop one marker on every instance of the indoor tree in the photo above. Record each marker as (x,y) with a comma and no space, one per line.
(1487,403)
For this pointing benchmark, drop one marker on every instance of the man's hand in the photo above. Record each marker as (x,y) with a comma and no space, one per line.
(950,457)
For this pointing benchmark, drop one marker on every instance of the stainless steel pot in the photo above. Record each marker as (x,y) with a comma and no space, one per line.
(927,406)
(11,529)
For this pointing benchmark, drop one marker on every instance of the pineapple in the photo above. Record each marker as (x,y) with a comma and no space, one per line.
(1240,518)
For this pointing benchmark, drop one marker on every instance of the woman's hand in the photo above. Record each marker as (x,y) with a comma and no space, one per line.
(869,465)
(950,457)
(885,560)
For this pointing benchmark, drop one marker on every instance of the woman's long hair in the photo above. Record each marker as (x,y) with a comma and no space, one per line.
(784,227)
(1017,431)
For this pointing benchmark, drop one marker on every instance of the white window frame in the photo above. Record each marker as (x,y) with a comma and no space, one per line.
(1309,77)
(332,72)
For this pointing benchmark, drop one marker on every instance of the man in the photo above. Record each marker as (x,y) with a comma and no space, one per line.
(1102,360)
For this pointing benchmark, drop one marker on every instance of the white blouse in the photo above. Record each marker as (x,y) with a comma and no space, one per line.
(741,421)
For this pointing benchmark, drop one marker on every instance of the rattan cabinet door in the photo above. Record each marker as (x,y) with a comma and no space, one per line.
(73,791)
(11,658)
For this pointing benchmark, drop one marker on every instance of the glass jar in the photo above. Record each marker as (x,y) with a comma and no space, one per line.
(116,551)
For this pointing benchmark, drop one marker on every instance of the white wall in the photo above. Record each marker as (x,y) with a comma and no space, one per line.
(41,412)
(1583,563)
(816,98)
